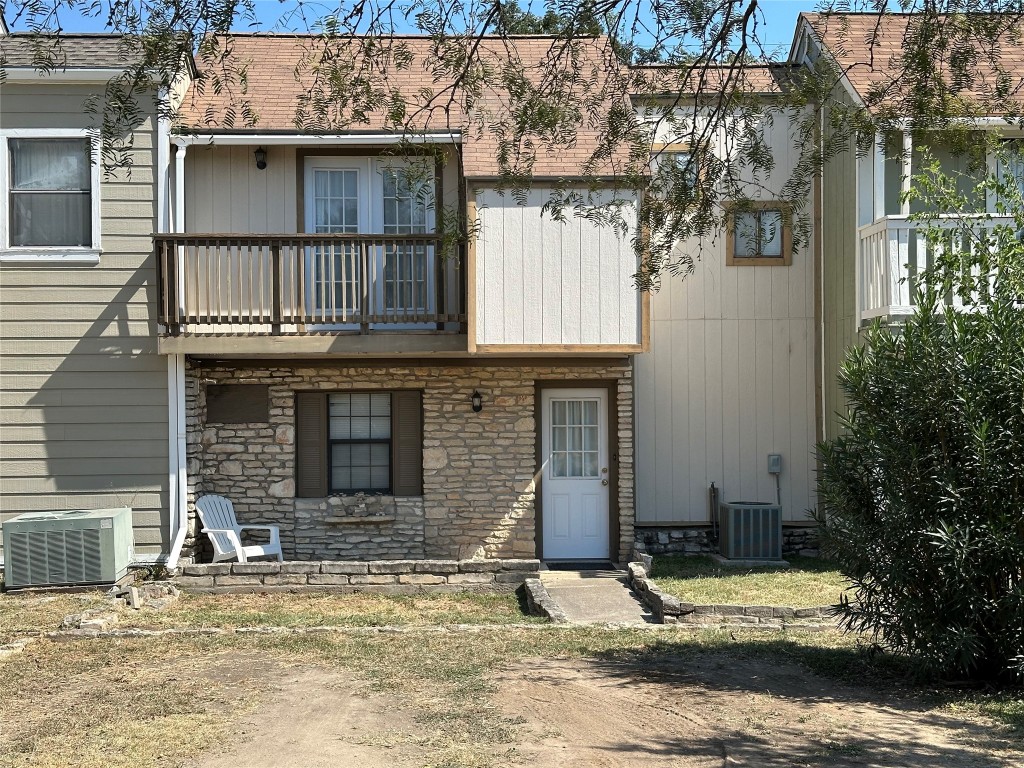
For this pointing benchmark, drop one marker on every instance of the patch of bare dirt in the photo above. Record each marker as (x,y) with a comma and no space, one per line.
(318,718)
(723,712)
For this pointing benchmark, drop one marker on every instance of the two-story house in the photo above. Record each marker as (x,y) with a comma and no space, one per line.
(286,314)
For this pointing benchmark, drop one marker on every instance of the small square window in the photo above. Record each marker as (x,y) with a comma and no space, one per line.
(759,236)
(360,442)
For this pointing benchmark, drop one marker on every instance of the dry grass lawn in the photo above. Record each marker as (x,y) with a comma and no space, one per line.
(807,583)
(499,697)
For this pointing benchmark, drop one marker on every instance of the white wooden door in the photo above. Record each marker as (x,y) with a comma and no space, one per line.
(575,477)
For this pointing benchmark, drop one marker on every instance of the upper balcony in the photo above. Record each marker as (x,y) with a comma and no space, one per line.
(893,248)
(316,246)
(893,251)
(239,293)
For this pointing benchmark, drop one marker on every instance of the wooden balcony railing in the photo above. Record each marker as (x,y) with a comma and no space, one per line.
(894,251)
(287,284)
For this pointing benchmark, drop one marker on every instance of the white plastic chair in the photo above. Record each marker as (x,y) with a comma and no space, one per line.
(218,516)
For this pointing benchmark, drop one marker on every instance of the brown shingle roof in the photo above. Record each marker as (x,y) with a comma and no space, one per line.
(870,48)
(753,79)
(69,51)
(281,71)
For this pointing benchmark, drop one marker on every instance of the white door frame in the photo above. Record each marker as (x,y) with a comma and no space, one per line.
(575,511)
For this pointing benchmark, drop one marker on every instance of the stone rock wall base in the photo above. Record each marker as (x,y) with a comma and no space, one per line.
(391,577)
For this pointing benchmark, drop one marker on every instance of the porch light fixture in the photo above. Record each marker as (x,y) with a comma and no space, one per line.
(261,158)
(478,402)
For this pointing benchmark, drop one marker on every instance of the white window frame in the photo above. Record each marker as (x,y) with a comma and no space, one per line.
(38,254)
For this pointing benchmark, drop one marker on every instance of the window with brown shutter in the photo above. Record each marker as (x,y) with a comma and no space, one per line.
(352,442)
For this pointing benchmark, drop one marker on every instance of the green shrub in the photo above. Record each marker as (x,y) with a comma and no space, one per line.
(923,496)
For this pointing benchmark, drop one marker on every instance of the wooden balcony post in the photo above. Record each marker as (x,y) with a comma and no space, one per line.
(364,285)
(276,308)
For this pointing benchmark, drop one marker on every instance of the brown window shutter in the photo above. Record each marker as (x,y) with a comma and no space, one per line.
(311,444)
(407,442)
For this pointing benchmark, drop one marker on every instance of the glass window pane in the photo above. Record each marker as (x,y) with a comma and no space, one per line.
(51,219)
(341,478)
(771,233)
(360,405)
(320,184)
(336,213)
(745,234)
(339,405)
(574,412)
(53,164)
(351,182)
(322,219)
(360,427)
(590,464)
(380,477)
(575,464)
(380,454)
(337,183)
(558,411)
(340,429)
(361,477)
(558,439)
(590,412)
(380,404)
(360,454)
(558,465)
(351,212)
(590,438)
(575,439)
(380,427)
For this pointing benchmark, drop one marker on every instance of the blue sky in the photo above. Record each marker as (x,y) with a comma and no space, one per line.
(778,16)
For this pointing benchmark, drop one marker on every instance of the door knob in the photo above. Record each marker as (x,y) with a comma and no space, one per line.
(604,470)
(605,481)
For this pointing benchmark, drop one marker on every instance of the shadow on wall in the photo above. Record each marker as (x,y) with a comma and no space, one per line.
(93,429)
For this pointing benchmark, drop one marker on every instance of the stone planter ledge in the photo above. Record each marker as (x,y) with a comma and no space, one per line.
(669,609)
(385,576)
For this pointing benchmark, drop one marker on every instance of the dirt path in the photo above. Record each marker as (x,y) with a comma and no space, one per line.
(315,718)
(695,713)
(717,712)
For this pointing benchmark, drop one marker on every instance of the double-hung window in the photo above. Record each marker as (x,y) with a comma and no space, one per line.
(359,442)
(49,181)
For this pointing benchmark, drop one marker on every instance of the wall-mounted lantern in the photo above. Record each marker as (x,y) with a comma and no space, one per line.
(261,158)
(478,402)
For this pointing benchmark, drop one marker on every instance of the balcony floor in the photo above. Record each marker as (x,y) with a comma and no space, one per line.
(378,344)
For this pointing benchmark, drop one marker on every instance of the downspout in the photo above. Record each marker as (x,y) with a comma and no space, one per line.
(176,395)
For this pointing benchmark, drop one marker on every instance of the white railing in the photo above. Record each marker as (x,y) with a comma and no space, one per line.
(893,252)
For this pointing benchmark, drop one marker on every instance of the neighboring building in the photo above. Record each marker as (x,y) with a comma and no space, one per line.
(83,422)
(279,316)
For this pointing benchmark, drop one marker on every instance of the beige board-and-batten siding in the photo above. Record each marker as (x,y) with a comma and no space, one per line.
(83,416)
(729,378)
(540,281)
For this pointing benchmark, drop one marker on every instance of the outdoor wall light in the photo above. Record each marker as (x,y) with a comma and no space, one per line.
(478,402)
(261,158)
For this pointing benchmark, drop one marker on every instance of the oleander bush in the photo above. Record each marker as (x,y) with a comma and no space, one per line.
(922,498)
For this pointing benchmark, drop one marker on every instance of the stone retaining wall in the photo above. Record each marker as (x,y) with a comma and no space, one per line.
(385,576)
(702,540)
(668,609)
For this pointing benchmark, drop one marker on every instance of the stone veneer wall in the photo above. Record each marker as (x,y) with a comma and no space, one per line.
(699,540)
(478,468)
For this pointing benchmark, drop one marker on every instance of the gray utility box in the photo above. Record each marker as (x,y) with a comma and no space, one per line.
(81,546)
(750,530)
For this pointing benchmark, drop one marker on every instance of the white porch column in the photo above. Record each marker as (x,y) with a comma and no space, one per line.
(906,172)
(878,166)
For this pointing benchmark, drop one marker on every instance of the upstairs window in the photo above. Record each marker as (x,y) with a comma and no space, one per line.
(759,235)
(51,190)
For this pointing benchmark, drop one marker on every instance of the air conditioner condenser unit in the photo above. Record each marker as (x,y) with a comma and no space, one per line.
(750,530)
(82,546)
